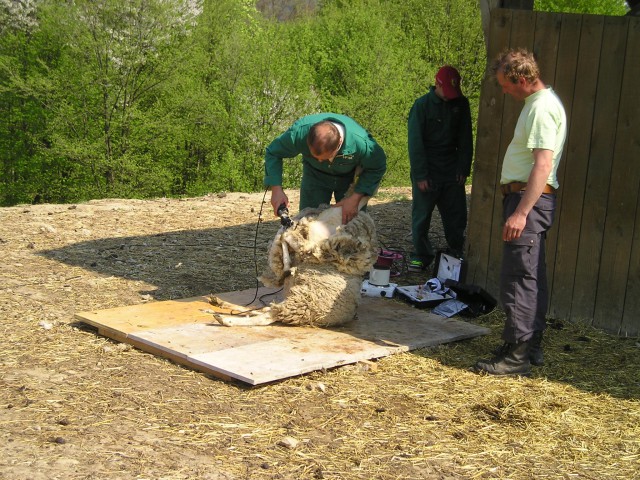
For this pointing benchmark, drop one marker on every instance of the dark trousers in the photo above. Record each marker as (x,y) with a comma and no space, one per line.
(318,188)
(523,280)
(451,200)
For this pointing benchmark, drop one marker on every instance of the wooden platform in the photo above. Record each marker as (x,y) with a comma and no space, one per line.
(185,332)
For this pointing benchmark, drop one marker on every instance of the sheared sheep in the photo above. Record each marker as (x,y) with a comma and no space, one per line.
(320,263)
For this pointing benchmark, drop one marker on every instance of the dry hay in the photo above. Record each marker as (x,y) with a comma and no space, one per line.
(79,406)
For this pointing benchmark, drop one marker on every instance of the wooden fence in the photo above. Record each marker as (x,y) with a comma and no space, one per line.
(593,254)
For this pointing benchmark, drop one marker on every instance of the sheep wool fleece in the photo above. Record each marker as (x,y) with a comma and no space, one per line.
(322,287)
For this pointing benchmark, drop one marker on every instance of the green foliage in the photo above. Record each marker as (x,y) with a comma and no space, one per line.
(438,33)
(359,63)
(374,58)
(150,98)
(596,7)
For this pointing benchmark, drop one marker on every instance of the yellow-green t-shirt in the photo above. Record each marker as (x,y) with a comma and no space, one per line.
(541,124)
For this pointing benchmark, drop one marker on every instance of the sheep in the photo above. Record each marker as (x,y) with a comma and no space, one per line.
(320,263)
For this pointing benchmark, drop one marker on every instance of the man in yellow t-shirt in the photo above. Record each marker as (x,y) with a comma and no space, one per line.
(528,183)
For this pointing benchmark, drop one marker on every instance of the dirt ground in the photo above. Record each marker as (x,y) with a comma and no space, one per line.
(76,405)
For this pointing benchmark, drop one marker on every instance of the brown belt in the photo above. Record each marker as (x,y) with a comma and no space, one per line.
(514,187)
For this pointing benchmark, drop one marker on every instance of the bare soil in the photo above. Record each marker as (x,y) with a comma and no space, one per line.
(76,405)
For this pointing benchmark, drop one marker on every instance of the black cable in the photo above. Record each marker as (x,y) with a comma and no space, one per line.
(255,246)
(269,294)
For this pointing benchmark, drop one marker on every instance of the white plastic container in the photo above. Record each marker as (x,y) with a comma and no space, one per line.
(379,275)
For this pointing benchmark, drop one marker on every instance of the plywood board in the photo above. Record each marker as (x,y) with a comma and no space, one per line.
(185,332)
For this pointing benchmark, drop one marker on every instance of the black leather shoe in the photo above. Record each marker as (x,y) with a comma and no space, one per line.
(535,349)
(536,356)
(513,361)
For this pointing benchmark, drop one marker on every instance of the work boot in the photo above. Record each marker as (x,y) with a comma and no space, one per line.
(536,357)
(535,349)
(513,361)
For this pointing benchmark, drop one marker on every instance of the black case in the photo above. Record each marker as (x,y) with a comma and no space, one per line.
(479,301)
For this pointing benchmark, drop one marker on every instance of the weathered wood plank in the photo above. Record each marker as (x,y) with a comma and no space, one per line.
(522,4)
(630,325)
(599,170)
(546,42)
(631,318)
(485,170)
(145,316)
(572,173)
(623,196)
(522,35)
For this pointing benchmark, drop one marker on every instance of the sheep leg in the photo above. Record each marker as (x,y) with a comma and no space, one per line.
(222,306)
(286,259)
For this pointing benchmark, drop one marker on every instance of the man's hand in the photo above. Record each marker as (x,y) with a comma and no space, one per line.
(349,207)
(278,197)
(423,185)
(514,226)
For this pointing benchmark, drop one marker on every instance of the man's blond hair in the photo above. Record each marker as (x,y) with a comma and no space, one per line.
(515,63)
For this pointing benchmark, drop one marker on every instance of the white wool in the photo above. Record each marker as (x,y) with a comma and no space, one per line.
(321,268)
(325,225)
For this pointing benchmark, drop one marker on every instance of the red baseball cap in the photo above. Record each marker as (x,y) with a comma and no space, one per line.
(449,79)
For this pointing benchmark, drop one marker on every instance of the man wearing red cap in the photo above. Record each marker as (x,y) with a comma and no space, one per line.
(440,153)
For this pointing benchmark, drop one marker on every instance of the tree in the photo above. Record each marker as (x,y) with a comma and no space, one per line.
(117,56)
(180,97)
(25,51)
(256,73)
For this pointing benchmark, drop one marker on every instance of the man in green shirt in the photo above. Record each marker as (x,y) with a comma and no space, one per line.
(440,153)
(336,151)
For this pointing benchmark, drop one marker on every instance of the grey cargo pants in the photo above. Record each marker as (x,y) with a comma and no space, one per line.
(523,280)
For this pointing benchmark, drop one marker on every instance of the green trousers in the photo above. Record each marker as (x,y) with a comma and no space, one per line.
(318,187)
(451,200)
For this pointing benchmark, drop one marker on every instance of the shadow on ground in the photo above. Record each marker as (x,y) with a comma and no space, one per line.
(580,356)
(189,263)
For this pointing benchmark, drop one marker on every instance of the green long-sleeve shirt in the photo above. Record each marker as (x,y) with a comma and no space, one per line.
(358,149)
(440,138)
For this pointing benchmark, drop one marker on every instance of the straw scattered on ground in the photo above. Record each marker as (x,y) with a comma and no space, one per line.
(76,405)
